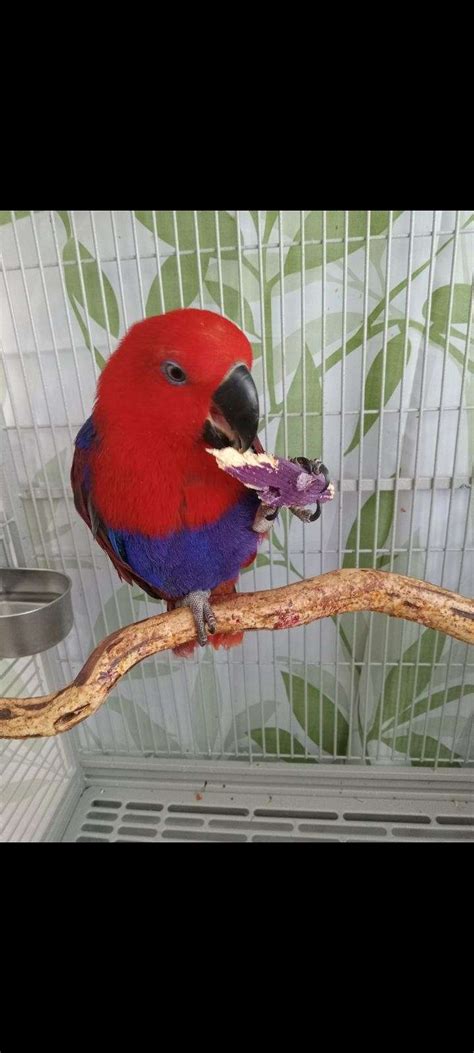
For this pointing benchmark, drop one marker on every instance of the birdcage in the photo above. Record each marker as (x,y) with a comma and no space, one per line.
(355,727)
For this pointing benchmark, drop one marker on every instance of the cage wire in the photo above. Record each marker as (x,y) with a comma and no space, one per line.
(361,327)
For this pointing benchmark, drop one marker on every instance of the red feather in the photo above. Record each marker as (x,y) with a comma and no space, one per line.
(152,434)
(154,431)
(83,506)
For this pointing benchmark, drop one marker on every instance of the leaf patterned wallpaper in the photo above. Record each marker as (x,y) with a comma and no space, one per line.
(361,326)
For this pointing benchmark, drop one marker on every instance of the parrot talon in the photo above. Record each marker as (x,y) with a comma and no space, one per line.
(315,467)
(305,515)
(210,617)
(264,518)
(202,612)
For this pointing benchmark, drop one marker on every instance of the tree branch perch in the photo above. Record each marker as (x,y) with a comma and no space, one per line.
(339,592)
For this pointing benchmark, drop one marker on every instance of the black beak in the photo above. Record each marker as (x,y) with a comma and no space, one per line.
(237,400)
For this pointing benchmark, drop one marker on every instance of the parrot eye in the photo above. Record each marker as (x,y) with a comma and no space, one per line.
(174,373)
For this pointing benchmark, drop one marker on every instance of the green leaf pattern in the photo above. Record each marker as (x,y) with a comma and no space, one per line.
(361,687)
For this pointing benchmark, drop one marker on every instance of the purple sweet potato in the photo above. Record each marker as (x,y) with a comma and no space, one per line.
(280,483)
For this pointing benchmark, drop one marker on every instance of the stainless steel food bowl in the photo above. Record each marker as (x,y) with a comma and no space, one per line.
(35,610)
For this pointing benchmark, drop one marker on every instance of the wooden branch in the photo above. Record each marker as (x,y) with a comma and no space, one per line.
(336,593)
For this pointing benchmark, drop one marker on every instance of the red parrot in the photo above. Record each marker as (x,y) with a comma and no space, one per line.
(152,496)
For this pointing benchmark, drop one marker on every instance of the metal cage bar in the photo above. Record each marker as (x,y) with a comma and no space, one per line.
(325,289)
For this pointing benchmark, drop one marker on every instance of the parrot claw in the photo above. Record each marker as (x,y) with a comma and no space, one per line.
(264,518)
(305,515)
(202,612)
(313,467)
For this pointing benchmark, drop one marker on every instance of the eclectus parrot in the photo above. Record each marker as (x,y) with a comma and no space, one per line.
(155,500)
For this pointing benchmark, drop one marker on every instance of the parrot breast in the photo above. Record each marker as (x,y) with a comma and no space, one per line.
(190,559)
(173,562)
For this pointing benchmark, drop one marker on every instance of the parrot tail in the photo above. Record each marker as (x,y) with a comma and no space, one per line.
(222,592)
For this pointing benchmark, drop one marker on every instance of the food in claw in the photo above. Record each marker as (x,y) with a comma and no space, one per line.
(278,482)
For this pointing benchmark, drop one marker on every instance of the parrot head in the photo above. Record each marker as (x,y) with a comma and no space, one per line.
(187,374)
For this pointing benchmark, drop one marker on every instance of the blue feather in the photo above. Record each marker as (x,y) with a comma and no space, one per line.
(184,560)
(87,436)
(193,559)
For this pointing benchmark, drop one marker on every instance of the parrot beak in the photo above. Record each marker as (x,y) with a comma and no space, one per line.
(234,413)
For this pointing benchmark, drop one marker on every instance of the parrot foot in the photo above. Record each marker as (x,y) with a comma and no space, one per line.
(264,518)
(305,515)
(202,612)
(314,468)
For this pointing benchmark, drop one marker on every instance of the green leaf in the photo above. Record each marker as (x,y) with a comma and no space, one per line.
(206,709)
(264,561)
(374,383)
(294,404)
(99,358)
(164,224)
(431,751)
(321,710)
(270,220)
(94,305)
(170,280)
(335,228)
(153,304)
(227,230)
(357,626)
(53,472)
(367,529)
(283,548)
(64,217)
(383,561)
(358,337)
(344,638)
(267,222)
(440,307)
(436,700)
(253,717)
(140,597)
(231,306)
(461,307)
(411,683)
(147,735)
(186,232)
(116,611)
(85,335)
(6,217)
(379,221)
(284,739)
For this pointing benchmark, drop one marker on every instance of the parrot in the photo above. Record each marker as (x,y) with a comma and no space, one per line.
(169,519)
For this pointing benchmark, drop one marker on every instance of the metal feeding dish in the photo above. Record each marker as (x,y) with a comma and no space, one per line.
(35,610)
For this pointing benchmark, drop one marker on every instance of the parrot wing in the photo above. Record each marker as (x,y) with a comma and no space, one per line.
(80,482)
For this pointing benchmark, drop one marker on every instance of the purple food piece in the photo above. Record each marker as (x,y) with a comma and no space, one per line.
(285,485)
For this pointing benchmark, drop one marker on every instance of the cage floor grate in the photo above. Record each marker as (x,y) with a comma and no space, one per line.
(263,811)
